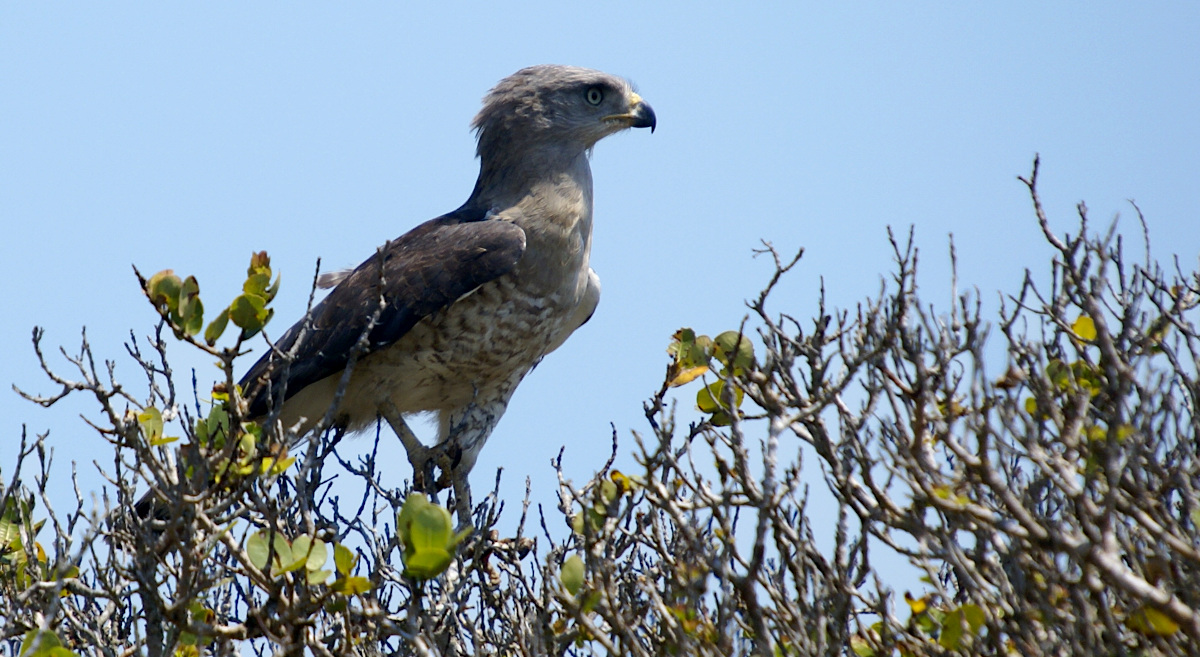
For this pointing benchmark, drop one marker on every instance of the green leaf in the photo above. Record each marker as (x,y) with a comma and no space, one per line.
(163,289)
(1151,622)
(318,576)
(860,646)
(216,328)
(216,429)
(428,536)
(959,623)
(45,639)
(1079,375)
(1088,377)
(413,503)
(197,613)
(273,465)
(256,284)
(681,337)
(18,559)
(1157,332)
(336,605)
(351,585)
(294,562)
(273,290)
(683,376)
(952,630)
(10,530)
(426,531)
(201,432)
(343,559)
(975,617)
(48,645)
(1085,328)
(1059,374)
(70,573)
(313,549)
(720,419)
(709,398)
(691,354)
(624,481)
(609,491)
(926,623)
(191,310)
(244,462)
(735,351)
(572,574)
(151,423)
(948,493)
(259,284)
(259,549)
(249,313)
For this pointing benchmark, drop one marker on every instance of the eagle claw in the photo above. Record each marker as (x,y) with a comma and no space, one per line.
(433,467)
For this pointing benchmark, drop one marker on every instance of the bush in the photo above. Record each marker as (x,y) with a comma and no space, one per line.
(1051,503)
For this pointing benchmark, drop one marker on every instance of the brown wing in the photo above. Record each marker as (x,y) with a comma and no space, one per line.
(423,271)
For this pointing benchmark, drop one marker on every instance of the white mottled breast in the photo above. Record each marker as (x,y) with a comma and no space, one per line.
(479,348)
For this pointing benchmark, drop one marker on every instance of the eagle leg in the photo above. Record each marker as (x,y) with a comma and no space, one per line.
(428,461)
(462,500)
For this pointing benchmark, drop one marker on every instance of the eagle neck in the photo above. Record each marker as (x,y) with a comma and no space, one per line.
(551,200)
(507,175)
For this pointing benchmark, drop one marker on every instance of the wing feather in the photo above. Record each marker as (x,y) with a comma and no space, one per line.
(423,271)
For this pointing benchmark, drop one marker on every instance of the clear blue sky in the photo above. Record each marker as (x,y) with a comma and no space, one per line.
(188,136)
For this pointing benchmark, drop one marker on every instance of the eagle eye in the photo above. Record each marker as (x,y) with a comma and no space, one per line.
(594,95)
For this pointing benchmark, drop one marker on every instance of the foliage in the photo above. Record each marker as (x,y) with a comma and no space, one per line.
(1052,508)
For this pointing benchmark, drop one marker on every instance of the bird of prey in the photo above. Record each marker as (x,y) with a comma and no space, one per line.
(449,317)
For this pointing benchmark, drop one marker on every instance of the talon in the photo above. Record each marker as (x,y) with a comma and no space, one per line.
(433,467)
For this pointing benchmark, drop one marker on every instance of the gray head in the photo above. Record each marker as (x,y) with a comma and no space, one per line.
(562,106)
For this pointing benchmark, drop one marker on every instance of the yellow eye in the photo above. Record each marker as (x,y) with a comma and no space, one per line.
(595,95)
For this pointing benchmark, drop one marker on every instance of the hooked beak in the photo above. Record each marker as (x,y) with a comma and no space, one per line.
(643,114)
(640,114)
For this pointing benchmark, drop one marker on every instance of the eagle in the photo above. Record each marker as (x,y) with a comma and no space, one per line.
(450,317)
